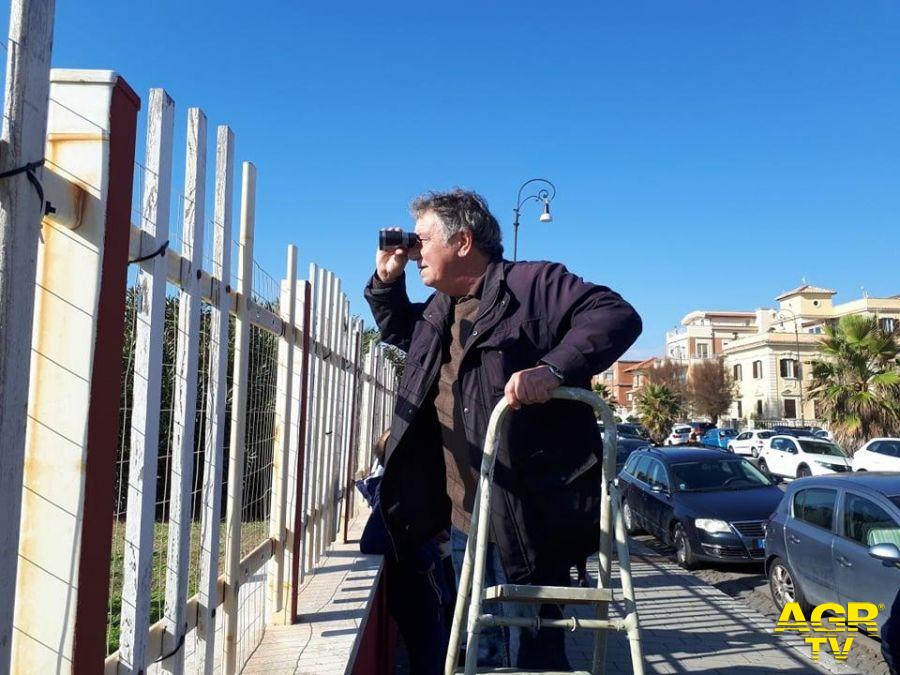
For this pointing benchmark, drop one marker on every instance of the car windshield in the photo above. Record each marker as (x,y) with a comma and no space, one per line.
(765,434)
(728,432)
(717,474)
(681,430)
(820,448)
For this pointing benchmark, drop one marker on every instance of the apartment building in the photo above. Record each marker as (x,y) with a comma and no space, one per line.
(622,379)
(704,334)
(770,365)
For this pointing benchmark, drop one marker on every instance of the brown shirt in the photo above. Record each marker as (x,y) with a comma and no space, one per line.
(462,478)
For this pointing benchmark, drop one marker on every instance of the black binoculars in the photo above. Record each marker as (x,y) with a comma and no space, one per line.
(390,239)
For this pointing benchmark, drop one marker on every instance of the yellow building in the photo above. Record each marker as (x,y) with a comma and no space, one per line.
(764,364)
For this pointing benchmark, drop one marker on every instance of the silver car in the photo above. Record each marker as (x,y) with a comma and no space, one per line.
(836,538)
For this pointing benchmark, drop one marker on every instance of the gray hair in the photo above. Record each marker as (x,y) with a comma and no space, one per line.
(463,210)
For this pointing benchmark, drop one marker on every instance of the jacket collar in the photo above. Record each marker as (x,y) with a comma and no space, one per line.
(493,286)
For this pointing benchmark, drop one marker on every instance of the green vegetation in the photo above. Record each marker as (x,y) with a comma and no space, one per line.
(856,386)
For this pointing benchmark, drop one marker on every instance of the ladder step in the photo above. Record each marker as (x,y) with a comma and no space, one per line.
(568,595)
(528,672)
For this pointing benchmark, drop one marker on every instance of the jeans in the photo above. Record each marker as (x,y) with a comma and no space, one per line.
(499,646)
(493,644)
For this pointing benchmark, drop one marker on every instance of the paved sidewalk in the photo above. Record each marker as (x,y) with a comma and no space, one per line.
(690,627)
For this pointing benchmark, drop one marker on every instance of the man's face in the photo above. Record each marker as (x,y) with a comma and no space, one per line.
(437,261)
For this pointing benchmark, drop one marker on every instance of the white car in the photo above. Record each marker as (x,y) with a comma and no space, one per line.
(681,434)
(799,457)
(749,442)
(879,454)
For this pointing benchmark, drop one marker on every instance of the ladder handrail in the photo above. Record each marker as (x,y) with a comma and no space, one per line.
(474,582)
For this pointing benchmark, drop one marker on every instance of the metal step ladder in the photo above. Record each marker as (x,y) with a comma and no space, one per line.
(472,594)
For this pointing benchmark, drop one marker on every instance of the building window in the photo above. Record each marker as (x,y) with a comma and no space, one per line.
(740,410)
(738,373)
(757,370)
(703,350)
(887,325)
(630,397)
(790,409)
(759,408)
(789,368)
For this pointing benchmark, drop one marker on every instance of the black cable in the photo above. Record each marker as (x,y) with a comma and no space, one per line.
(174,651)
(160,251)
(28,170)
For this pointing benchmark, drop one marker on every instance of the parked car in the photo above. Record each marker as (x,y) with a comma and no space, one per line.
(698,429)
(800,457)
(879,454)
(750,442)
(707,504)
(718,438)
(632,429)
(624,448)
(836,539)
(796,432)
(681,435)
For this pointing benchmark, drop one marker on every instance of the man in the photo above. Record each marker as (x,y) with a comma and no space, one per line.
(492,329)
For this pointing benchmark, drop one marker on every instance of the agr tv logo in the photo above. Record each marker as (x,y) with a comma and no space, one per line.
(856,615)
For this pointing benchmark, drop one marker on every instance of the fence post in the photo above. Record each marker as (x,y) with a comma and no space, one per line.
(314,432)
(354,427)
(239,418)
(283,438)
(216,395)
(25,124)
(185,404)
(72,440)
(144,448)
(298,527)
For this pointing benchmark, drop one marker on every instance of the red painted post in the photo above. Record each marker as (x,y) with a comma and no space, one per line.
(102,437)
(301,454)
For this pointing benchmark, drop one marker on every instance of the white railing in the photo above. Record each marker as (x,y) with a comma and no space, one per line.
(166,542)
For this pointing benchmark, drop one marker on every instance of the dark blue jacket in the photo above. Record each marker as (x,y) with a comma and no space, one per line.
(547,481)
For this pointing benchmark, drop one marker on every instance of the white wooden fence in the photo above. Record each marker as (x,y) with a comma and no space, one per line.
(244,406)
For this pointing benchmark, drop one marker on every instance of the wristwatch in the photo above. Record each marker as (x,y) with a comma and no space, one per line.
(556,371)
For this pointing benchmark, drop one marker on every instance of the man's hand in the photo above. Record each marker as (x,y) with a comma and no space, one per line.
(389,265)
(533,385)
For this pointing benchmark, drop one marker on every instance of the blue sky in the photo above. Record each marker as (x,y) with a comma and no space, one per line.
(707,154)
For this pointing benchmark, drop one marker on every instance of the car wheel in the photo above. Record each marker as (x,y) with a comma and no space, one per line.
(783,586)
(764,467)
(683,553)
(628,517)
(803,471)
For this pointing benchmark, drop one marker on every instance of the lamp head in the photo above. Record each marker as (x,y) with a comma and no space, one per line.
(545,216)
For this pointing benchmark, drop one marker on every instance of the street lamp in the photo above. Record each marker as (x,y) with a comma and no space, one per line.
(542,195)
(799,369)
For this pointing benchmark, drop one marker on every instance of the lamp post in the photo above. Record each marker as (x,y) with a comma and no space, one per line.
(542,195)
(799,369)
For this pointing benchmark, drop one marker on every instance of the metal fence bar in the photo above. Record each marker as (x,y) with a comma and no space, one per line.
(140,519)
(185,407)
(217,392)
(24,129)
(238,419)
(283,436)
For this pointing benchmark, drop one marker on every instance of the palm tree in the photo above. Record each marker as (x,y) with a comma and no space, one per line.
(857,384)
(658,407)
(605,394)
